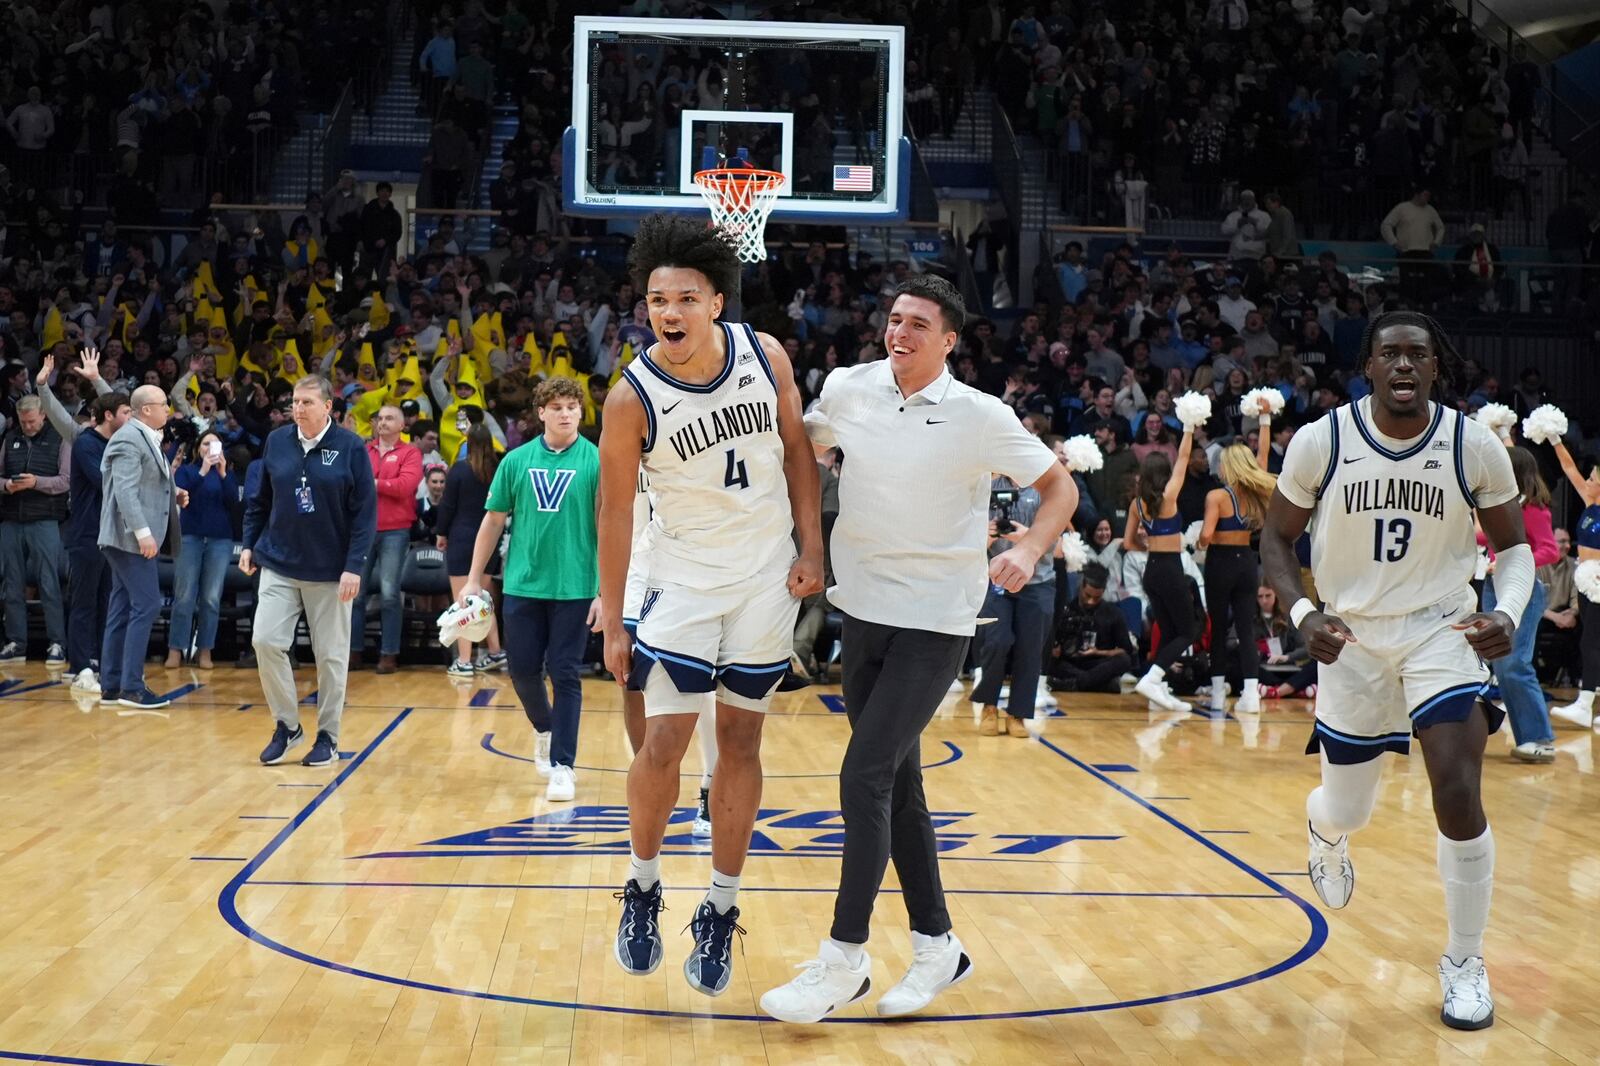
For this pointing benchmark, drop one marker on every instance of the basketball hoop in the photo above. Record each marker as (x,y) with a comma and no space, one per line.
(741,199)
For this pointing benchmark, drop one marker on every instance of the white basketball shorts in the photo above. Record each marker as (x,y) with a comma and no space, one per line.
(1404,673)
(733,642)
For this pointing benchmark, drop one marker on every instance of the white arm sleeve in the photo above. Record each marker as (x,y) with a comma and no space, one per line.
(1513,581)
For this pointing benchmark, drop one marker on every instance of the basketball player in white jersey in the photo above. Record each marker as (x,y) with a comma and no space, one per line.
(1389,485)
(633,699)
(712,414)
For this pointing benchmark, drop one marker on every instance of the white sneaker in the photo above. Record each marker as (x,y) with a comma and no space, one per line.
(1248,703)
(85,681)
(1468,1003)
(541,753)
(936,964)
(1534,751)
(825,984)
(1579,712)
(1155,690)
(563,785)
(1332,875)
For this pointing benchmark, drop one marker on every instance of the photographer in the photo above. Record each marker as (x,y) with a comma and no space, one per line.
(1022,618)
(1093,646)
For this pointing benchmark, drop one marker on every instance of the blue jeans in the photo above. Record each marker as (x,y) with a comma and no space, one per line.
(135,603)
(32,547)
(1519,685)
(547,636)
(202,566)
(1024,619)
(384,564)
(88,595)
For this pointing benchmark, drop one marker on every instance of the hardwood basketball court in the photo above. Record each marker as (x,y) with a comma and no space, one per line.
(1131,888)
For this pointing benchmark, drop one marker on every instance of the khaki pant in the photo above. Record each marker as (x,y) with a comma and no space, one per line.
(279,602)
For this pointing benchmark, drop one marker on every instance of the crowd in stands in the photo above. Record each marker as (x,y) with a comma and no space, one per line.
(456,340)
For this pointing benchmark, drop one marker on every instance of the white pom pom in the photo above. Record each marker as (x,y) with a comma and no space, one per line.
(1193,408)
(1258,402)
(1083,454)
(1191,536)
(1074,551)
(1587,579)
(1482,570)
(1498,417)
(1545,425)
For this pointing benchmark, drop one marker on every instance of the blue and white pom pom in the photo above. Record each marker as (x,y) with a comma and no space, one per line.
(1587,579)
(1083,454)
(1074,551)
(1498,417)
(1545,425)
(1193,409)
(1259,402)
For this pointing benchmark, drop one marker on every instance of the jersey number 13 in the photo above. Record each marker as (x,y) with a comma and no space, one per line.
(1390,539)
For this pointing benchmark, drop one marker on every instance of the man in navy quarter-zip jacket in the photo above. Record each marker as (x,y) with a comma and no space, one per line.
(309,530)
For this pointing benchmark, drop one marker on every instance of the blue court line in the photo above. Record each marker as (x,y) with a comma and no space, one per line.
(1154,798)
(828,891)
(227,905)
(9,692)
(835,704)
(310,699)
(1115,768)
(244,706)
(180,692)
(488,745)
(620,847)
(483,697)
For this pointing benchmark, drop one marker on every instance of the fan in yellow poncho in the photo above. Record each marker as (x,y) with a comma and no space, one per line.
(467,394)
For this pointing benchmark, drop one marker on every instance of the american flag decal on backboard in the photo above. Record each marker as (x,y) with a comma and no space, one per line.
(852,179)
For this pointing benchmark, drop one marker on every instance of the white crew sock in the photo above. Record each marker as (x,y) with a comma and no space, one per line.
(724,890)
(1585,700)
(1155,673)
(922,940)
(1251,688)
(852,952)
(1219,688)
(645,871)
(1467,869)
(707,728)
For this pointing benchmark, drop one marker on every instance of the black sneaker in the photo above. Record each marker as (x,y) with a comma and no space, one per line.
(710,964)
(323,752)
(281,744)
(638,948)
(142,698)
(109,697)
(13,652)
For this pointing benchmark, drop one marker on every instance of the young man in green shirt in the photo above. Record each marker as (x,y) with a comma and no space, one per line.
(551,485)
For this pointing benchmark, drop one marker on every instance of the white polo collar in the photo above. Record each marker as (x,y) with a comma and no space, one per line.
(932,393)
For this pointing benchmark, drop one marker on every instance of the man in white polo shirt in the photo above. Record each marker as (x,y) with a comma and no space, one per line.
(909,557)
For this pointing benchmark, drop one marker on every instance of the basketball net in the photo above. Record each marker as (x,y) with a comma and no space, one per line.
(741,200)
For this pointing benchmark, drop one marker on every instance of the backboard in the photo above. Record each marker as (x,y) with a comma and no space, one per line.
(655,100)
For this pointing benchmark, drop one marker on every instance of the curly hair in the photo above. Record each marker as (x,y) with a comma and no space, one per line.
(556,388)
(1452,367)
(667,240)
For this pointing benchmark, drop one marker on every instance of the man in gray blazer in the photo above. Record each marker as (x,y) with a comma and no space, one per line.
(138,514)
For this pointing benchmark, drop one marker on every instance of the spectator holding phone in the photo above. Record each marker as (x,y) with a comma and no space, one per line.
(202,565)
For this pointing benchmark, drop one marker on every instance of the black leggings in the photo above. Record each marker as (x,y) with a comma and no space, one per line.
(1589,641)
(1166,586)
(1233,574)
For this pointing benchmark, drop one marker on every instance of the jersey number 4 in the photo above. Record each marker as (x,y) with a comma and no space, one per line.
(1390,540)
(737,477)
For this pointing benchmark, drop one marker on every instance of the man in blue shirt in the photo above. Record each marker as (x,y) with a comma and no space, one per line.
(309,530)
(90,582)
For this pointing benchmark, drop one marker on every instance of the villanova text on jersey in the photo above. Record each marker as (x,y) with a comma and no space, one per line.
(726,423)
(1394,494)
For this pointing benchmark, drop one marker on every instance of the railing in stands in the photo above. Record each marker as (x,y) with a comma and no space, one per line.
(966,277)
(1007,158)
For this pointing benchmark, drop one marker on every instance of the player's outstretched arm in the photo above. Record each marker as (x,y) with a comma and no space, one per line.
(1324,634)
(1580,484)
(622,434)
(800,471)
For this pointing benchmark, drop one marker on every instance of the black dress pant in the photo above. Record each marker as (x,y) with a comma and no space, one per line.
(894,681)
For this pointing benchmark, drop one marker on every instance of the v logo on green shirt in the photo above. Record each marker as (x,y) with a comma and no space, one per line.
(550,487)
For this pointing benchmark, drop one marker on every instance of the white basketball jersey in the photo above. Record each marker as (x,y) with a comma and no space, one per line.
(715,463)
(1393,531)
(642,506)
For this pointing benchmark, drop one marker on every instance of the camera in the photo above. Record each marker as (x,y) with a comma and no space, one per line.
(1001,500)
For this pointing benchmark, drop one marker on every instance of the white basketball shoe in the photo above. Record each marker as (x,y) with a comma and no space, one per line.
(1329,866)
(1468,1003)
